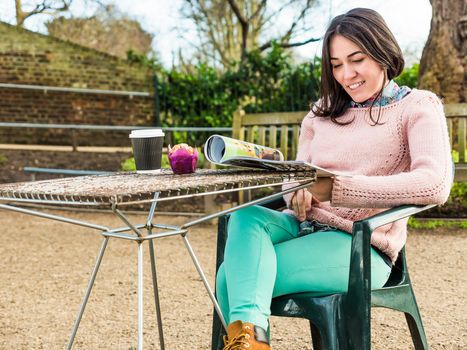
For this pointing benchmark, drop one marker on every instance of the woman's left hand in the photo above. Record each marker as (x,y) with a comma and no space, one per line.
(322,188)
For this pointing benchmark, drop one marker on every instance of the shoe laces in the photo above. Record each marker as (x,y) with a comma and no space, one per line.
(241,341)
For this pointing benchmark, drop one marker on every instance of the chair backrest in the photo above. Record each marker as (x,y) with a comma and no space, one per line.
(277,130)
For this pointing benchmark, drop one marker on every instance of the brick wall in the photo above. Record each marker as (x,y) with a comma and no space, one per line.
(36,59)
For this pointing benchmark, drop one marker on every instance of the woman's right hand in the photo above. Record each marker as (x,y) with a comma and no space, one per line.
(301,203)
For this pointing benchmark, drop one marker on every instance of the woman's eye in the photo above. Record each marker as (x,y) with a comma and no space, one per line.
(334,66)
(359,60)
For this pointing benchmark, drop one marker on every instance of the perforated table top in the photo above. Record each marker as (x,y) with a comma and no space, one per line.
(130,187)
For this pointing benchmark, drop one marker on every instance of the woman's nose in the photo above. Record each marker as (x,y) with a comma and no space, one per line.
(349,72)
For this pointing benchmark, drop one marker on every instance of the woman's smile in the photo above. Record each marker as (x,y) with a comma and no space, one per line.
(355,86)
(358,73)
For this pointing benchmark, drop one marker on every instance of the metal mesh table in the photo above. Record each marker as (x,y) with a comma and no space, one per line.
(120,190)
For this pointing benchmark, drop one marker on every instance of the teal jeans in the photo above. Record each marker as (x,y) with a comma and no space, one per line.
(265,257)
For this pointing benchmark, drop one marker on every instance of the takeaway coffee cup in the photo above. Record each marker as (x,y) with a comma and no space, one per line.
(147,149)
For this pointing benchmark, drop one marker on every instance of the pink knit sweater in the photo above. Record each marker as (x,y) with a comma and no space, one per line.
(406,160)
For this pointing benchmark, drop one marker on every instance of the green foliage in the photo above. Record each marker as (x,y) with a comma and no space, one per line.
(3,159)
(270,83)
(206,97)
(128,164)
(150,62)
(455,155)
(201,159)
(455,207)
(434,224)
(458,194)
(199,99)
(408,77)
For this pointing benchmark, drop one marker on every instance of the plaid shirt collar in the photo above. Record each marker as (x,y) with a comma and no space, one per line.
(391,93)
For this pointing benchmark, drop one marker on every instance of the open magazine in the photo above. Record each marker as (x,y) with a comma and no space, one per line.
(223,150)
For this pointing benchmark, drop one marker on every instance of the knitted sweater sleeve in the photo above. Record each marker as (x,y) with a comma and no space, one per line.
(306,135)
(427,181)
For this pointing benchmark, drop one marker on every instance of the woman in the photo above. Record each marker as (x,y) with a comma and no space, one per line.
(393,142)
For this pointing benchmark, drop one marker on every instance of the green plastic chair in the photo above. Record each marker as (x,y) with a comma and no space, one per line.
(342,320)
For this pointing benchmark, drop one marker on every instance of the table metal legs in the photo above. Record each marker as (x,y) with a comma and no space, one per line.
(150,237)
(156,294)
(135,229)
(139,238)
(153,271)
(205,280)
(140,296)
(88,292)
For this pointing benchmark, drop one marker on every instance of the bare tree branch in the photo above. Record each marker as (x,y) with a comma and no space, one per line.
(237,12)
(287,45)
(276,13)
(258,10)
(210,30)
(230,31)
(244,24)
(289,33)
(43,7)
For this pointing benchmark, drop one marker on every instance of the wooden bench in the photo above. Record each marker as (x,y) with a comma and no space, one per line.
(281,130)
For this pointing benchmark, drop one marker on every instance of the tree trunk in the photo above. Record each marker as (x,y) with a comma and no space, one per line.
(443,66)
(20,15)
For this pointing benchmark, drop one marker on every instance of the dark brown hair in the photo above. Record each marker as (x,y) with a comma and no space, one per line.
(367,29)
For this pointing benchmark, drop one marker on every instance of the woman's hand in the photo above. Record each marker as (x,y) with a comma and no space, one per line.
(301,203)
(301,200)
(322,189)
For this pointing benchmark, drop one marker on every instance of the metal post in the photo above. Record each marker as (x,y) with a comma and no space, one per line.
(205,280)
(88,292)
(149,227)
(156,295)
(140,296)
(157,107)
(74,140)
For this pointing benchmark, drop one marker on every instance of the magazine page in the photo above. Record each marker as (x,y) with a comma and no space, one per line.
(220,149)
(284,165)
(226,151)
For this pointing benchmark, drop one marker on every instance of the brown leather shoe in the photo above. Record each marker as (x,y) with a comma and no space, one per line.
(242,335)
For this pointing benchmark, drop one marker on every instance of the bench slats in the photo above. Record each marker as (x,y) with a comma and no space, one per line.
(273,136)
(461,134)
(284,140)
(450,131)
(295,136)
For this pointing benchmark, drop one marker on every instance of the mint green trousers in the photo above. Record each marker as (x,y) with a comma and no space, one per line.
(265,257)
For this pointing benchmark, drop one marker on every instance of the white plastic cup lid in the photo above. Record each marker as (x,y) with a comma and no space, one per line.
(143,133)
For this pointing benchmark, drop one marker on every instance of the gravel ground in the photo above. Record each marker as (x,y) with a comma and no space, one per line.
(45,265)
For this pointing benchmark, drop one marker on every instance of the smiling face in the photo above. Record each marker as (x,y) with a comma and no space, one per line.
(359,74)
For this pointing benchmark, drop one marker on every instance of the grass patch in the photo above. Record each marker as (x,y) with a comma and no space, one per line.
(3,159)
(434,224)
(129,164)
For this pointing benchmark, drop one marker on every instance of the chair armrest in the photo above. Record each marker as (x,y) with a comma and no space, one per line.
(394,214)
(359,287)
